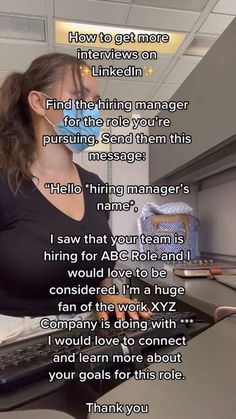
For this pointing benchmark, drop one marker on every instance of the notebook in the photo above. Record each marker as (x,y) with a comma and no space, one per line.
(202,268)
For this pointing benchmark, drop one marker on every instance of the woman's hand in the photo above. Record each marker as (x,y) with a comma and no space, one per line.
(119,299)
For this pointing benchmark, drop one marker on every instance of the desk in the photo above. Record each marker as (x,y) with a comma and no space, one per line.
(205,295)
(208,391)
(202,294)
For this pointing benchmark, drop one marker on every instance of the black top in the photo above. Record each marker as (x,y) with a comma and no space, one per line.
(26,223)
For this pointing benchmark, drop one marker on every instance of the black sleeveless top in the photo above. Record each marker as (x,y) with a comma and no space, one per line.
(28,265)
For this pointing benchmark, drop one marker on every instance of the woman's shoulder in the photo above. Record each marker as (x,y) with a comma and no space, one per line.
(7,186)
(5,192)
(2,172)
(3,179)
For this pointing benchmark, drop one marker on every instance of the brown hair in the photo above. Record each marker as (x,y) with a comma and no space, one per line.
(17,144)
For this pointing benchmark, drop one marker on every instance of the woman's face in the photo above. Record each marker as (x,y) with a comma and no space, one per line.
(69,88)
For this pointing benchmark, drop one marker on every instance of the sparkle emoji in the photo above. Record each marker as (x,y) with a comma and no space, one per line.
(149,71)
(85,70)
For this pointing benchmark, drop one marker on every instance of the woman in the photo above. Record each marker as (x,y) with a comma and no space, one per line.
(30,215)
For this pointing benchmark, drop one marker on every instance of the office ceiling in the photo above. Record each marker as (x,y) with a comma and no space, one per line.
(203,21)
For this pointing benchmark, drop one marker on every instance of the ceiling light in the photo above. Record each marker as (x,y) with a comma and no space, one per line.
(200,45)
(170,47)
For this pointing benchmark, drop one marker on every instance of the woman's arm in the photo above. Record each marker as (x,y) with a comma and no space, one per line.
(118,299)
(107,282)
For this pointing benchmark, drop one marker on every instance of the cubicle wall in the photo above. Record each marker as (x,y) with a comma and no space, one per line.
(122,173)
(216,201)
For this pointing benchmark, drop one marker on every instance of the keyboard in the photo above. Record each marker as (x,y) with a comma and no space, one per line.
(30,360)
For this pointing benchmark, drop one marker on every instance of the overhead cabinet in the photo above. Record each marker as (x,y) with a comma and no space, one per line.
(210,118)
